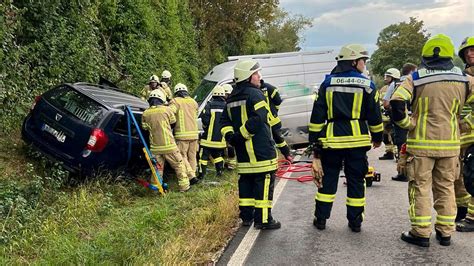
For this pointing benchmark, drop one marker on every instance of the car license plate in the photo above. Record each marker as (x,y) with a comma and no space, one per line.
(57,134)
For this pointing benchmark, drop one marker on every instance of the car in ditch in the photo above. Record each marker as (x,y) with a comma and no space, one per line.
(85,128)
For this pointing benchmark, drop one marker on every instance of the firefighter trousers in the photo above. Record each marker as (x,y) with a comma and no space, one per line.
(355,169)
(176,161)
(463,198)
(280,142)
(214,155)
(434,175)
(189,149)
(255,196)
(388,137)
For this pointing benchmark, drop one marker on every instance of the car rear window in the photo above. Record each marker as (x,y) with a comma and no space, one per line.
(76,104)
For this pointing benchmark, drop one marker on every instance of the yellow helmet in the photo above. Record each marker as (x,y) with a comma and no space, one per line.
(439,45)
(352,52)
(393,72)
(244,69)
(180,87)
(218,91)
(165,74)
(158,93)
(467,42)
(228,88)
(154,78)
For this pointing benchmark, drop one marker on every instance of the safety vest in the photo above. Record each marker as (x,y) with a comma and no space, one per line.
(273,99)
(246,112)
(185,110)
(345,111)
(211,117)
(467,138)
(157,120)
(436,97)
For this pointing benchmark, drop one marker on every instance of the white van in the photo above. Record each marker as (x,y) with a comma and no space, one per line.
(297,75)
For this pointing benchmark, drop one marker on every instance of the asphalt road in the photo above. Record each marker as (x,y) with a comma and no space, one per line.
(298,242)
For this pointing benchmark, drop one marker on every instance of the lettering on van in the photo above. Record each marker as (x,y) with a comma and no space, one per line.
(350,81)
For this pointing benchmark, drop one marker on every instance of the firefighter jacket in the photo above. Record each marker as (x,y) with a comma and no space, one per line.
(185,110)
(158,120)
(467,138)
(166,89)
(246,115)
(273,100)
(435,97)
(344,112)
(145,92)
(211,123)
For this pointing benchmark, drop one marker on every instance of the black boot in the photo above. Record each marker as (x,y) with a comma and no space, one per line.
(273,224)
(319,223)
(354,227)
(461,214)
(195,181)
(400,177)
(443,240)
(387,156)
(219,168)
(415,240)
(465,225)
(247,222)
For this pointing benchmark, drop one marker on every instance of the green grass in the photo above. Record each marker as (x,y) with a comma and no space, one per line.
(104,221)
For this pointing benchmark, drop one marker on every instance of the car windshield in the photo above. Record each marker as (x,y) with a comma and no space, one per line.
(203,90)
(76,104)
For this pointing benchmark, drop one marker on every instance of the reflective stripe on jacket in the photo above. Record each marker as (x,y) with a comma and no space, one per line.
(157,120)
(185,110)
(210,117)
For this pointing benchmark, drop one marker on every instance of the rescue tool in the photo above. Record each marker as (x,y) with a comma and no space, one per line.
(154,166)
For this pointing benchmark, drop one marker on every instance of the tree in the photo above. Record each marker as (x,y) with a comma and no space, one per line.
(398,44)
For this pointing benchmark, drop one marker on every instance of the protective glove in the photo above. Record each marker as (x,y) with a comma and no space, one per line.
(317,171)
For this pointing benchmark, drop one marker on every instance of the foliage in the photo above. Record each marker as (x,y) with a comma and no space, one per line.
(398,44)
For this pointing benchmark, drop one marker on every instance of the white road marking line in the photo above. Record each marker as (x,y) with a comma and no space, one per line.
(245,246)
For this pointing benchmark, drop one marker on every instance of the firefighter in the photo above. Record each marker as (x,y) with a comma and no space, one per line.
(166,84)
(387,125)
(464,190)
(345,120)
(245,126)
(400,134)
(230,161)
(186,131)
(274,100)
(212,142)
(153,83)
(158,120)
(435,91)
(391,77)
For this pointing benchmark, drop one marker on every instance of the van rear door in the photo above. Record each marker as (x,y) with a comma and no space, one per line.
(63,119)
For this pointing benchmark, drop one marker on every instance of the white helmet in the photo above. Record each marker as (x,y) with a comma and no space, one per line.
(165,74)
(180,87)
(352,52)
(244,69)
(218,91)
(158,93)
(154,78)
(393,72)
(228,88)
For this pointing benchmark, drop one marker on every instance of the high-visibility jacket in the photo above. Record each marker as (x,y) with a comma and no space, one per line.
(273,99)
(166,89)
(211,123)
(145,92)
(246,113)
(185,110)
(158,120)
(436,97)
(344,112)
(467,138)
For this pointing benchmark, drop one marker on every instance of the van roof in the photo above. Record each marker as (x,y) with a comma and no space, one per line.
(277,64)
(110,97)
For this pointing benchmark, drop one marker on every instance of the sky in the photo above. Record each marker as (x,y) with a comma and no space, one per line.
(338,22)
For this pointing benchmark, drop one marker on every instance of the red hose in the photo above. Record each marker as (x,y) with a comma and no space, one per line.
(285,166)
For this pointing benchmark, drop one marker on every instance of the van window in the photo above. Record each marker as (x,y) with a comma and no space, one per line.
(203,90)
(76,104)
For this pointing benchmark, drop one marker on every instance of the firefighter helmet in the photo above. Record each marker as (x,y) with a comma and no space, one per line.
(352,52)
(466,43)
(218,91)
(165,74)
(228,88)
(439,45)
(244,69)
(158,93)
(180,87)
(393,72)
(154,78)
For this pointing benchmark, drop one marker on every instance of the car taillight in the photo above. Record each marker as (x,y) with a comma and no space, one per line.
(37,99)
(97,140)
